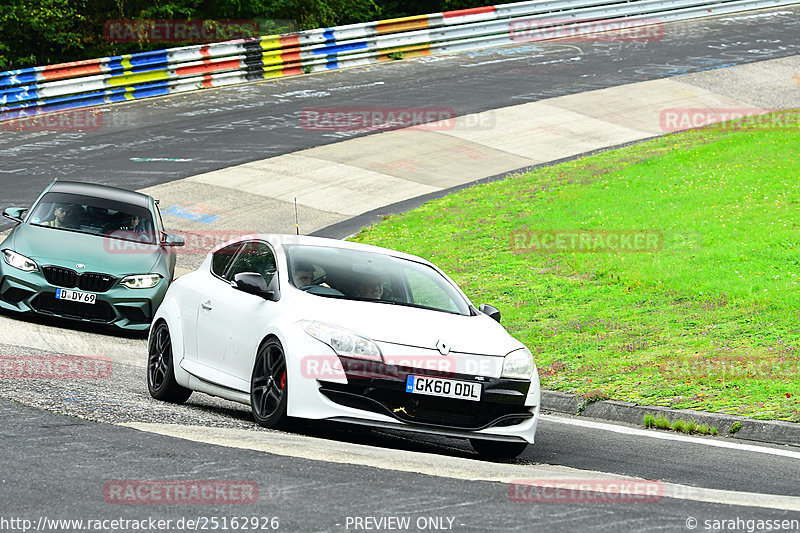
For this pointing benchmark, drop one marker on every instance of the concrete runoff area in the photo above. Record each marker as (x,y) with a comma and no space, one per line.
(338,181)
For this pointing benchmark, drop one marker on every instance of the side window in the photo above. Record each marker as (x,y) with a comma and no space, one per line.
(426,292)
(222,258)
(254,256)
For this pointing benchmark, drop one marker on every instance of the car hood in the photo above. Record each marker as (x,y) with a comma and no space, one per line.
(415,327)
(49,246)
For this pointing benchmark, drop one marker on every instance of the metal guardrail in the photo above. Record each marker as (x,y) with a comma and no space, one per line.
(94,82)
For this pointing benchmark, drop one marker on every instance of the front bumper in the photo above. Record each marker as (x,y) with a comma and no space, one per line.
(30,292)
(501,413)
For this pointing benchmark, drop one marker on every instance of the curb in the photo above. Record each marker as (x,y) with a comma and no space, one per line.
(770,431)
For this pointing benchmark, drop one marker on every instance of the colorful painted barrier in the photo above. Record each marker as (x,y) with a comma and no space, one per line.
(95,82)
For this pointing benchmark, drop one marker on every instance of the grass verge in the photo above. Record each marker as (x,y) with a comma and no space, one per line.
(706,319)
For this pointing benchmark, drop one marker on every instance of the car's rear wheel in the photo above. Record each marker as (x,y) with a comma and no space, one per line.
(269,385)
(493,449)
(160,370)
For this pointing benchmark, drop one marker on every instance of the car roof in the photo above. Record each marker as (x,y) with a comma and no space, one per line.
(288,239)
(101,191)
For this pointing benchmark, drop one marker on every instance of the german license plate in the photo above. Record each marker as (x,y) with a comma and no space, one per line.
(445,388)
(76,296)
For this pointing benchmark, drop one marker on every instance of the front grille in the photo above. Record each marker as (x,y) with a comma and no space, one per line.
(60,277)
(70,279)
(47,303)
(427,410)
(93,282)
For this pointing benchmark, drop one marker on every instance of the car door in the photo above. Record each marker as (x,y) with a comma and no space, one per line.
(229,320)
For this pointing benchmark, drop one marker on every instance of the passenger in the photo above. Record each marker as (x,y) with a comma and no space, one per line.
(129,223)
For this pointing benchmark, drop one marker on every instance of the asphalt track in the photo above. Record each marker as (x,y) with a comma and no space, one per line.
(56,466)
(161,140)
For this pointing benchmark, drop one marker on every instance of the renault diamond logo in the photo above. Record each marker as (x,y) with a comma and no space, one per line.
(443,347)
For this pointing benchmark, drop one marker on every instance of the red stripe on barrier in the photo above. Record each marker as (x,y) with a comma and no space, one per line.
(289,41)
(290,57)
(204,51)
(207,82)
(74,68)
(470,11)
(291,71)
(209,66)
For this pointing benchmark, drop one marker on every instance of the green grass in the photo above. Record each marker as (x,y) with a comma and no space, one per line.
(680,425)
(709,321)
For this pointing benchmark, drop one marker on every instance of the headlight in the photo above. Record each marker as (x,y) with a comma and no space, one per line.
(343,342)
(518,364)
(141,281)
(19,261)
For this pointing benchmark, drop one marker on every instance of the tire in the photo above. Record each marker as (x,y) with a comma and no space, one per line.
(269,385)
(494,449)
(160,370)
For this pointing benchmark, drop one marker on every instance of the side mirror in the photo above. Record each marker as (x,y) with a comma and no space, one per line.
(254,283)
(170,239)
(487,309)
(15,213)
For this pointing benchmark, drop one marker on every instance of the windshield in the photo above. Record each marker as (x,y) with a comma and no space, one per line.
(359,275)
(95,216)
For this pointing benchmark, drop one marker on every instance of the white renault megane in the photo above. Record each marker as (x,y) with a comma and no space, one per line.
(317,328)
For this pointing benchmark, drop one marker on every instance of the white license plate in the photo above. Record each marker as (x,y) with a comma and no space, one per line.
(445,388)
(76,296)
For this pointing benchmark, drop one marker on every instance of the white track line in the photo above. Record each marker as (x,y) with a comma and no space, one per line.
(656,434)
(443,466)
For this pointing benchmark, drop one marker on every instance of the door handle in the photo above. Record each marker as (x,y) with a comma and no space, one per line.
(206,305)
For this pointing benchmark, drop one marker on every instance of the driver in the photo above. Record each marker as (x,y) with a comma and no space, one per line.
(303,274)
(371,287)
(64,216)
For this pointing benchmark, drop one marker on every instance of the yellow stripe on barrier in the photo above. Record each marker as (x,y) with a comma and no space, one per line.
(270,42)
(274,57)
(406,51)
(417,22)
(141,77)
(126,62)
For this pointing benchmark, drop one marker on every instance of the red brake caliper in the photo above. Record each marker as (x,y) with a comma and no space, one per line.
(283,379)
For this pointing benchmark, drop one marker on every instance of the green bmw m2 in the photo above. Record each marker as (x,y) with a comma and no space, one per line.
(89,253)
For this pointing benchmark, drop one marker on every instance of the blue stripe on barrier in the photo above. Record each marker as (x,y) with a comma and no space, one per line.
(107,96)
(152,89)
(18,94)
(329,35)
(17,78)
(159,56)
(337,48)
(331,63)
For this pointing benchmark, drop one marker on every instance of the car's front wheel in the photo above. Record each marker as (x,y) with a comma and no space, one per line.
(493,449)
(160,368)
(269,386)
